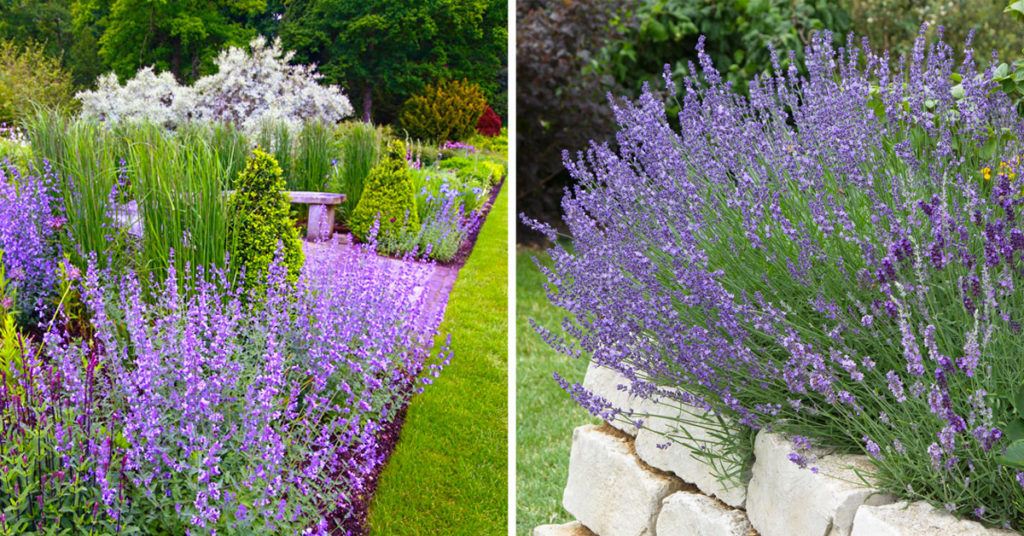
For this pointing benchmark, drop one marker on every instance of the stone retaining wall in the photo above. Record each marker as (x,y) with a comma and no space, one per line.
(624,481)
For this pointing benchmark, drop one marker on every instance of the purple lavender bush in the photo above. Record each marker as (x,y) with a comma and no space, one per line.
(828,258)
(204,412)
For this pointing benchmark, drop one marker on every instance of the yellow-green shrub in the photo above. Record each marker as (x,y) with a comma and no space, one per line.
(28,76)
(486,171)
(260,220)
(19,154)
(447,111)
(388,197)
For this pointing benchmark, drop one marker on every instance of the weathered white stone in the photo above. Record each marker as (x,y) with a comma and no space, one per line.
(608,489)
(915,519)
(614,387)
(574,528)
(679,427)
(785,500)
(692,514)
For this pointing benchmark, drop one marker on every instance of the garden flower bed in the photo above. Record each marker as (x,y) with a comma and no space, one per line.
(157,380)
(834,259)
(194,403)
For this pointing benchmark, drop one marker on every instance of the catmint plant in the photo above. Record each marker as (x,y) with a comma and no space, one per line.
(196,409)
(29,225)
(826,258)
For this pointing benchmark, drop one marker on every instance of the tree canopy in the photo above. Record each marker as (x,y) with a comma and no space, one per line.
(383,51)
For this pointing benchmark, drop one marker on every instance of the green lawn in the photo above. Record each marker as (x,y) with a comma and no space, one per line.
(545,416)
(449,473)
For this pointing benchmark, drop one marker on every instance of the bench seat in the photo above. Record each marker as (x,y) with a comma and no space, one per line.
(320,225)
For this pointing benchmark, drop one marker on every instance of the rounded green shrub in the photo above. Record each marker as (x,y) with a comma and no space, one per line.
(447,111)
(260,221)
(28,76)
(388,197)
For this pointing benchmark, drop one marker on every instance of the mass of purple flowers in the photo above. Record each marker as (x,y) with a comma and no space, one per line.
(28,224)
(446,224)
(836,257)
(186,406)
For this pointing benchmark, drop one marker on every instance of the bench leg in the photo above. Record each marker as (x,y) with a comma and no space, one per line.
(320,225)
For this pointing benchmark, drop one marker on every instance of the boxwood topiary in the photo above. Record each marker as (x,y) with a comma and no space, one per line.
(260,221)
(388,195)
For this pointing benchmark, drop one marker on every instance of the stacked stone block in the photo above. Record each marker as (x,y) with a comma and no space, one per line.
(623,481)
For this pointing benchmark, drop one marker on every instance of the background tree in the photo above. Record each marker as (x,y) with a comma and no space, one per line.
(386,50)
(182,37)
(42,21)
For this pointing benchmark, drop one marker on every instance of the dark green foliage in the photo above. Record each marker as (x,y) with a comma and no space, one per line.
(737,32)
(446,111)
(182,37)
(389,196)
(384,51)
(261,221)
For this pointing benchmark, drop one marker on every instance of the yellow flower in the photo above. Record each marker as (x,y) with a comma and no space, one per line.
(987,172)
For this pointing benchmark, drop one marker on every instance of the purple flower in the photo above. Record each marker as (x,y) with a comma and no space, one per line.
(871,447)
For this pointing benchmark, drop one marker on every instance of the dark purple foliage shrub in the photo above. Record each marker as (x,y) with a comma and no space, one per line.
(824,258)
(489,123)
(203,412)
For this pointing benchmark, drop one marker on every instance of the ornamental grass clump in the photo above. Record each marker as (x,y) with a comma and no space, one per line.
(825,258)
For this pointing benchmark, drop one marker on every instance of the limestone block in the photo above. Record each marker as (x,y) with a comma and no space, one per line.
(692,514)
(915,519)
(605,383)
(785,500)
(685,424)
(609,490)
(574,528)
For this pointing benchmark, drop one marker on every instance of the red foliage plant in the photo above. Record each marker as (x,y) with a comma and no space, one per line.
(489,123)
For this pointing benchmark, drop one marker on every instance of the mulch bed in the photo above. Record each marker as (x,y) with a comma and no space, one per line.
(354,523)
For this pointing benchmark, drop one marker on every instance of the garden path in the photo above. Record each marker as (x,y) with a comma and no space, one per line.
(433,282)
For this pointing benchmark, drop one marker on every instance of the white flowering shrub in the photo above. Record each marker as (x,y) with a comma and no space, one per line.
(250,87)
(149,96)
(257,85)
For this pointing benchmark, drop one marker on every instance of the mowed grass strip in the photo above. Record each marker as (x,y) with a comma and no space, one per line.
(448,474)
(545,415)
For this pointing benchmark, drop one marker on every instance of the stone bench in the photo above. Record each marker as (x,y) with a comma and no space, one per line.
(321,211)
